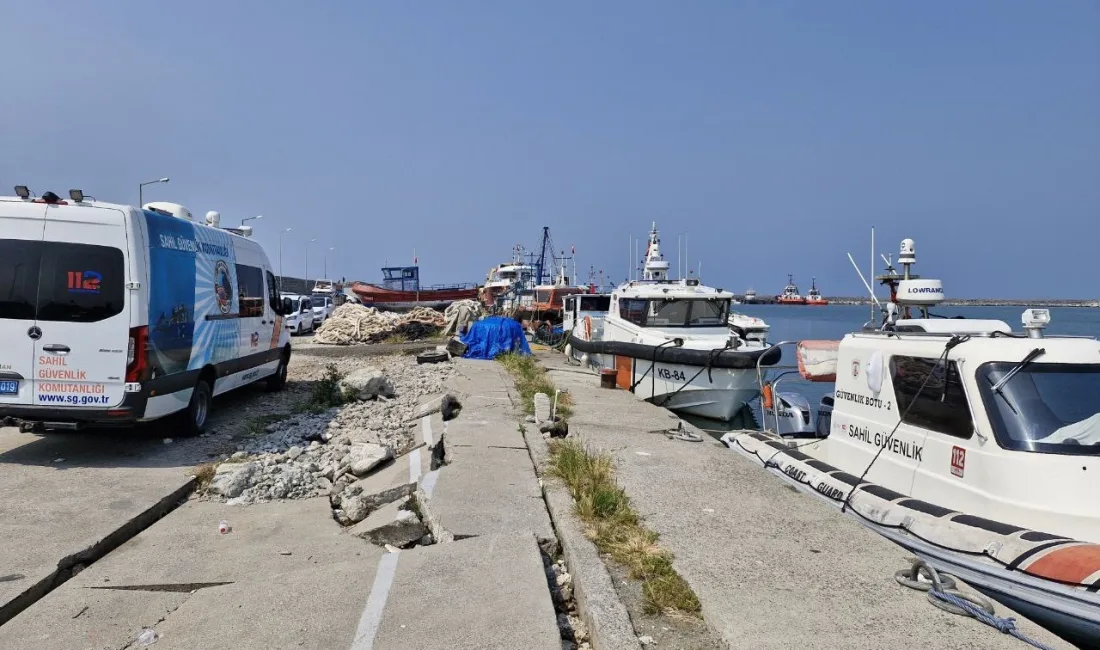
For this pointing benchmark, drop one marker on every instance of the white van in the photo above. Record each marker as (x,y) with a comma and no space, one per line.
(299,313)
(113,315)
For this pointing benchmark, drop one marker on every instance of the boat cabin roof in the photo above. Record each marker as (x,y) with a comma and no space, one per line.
(671,290)
(986,344)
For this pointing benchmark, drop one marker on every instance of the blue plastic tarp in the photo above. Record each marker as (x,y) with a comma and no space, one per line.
(490,337)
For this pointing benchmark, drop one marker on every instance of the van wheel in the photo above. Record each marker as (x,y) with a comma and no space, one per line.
(277,381)
(195,416)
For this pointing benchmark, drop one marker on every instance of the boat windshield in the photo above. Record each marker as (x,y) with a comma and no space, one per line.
(1045,407)
(677,312)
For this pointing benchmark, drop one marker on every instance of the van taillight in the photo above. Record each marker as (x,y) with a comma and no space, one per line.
(137,355)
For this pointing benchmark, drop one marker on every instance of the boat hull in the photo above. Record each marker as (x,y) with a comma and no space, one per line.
(719,398)
(382,298)
(715,392)
(1048,578)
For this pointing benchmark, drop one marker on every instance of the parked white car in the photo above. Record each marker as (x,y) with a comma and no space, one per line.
(299,313)
(113,314)
(322,309)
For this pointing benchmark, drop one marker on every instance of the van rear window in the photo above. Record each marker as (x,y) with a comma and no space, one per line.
(19,261)
(59,281)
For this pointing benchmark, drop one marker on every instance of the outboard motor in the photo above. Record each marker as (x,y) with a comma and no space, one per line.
(824,416)
(794,416)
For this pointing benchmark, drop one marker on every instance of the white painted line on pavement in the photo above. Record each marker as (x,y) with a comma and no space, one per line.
(414,465)
(376,603)
(429,482)
(426,429)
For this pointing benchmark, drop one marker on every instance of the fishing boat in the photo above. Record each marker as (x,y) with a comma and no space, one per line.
(790,295)
(748,327)
(401,290)
(669,342)
(971,445)
(813,296)
(507,282)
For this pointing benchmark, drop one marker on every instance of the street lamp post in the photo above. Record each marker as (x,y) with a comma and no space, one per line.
(306,257)
(259,216)
(281,252)
(326,260)
(141,188)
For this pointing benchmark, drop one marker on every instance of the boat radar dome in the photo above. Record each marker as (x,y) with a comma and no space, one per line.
(911,291)
(213,219)
(170,209)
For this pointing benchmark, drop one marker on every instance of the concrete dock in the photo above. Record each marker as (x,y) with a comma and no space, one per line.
(105,545)
(772,567)
(286,575)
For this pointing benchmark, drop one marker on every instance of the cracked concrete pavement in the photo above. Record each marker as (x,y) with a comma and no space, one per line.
(286,575)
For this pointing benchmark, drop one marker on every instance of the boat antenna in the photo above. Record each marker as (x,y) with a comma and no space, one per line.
(871,272)
(871,291)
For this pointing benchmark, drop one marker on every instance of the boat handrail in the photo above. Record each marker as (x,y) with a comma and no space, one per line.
(760,376)
(947,335)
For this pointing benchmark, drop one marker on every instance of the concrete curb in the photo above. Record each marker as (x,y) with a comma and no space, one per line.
(609,626)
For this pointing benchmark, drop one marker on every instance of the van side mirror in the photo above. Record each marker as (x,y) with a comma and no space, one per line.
(286,307)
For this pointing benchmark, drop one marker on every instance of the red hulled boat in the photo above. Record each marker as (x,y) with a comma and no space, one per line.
(400,289)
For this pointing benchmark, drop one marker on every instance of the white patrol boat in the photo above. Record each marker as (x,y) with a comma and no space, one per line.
(973,446)
(669,342)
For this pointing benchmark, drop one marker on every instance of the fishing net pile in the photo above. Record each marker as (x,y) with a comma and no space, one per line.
(351,324)
(460,315)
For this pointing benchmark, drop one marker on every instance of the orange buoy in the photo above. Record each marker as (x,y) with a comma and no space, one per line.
(766,395)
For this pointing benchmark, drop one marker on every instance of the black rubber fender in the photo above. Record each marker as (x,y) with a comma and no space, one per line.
(724,359)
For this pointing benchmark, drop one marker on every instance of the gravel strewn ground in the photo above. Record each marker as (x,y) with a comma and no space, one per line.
(304,454)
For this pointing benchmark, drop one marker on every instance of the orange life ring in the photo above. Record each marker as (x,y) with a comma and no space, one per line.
(587,328)
(766,395)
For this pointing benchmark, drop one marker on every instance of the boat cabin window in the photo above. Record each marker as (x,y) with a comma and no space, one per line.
(940,405)
(1046,407)
(633,310)
(595,303)
(674,313)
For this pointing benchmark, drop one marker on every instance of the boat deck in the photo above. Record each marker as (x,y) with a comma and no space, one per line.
(773,567)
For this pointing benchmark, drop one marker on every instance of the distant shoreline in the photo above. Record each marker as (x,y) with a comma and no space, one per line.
(964,302)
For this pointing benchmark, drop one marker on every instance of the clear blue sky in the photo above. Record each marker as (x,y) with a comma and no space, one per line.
(774,133)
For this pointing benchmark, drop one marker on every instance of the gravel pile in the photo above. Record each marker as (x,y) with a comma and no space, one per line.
(306,454)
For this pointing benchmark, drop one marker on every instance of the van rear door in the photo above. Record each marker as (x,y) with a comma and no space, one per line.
(83,309)
(20,241)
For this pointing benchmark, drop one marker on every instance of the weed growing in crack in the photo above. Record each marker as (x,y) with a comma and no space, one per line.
(327,392)
(203,474)
(530,379)
(615,528)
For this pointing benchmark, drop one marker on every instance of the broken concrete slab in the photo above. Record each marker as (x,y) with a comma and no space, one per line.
(489,593)
(490,492)
(65,500)
(276,558)
(362,457)
(367,383)
(393,524)
(446,405)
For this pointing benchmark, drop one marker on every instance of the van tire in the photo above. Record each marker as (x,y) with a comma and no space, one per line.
(277,380)
(194,418)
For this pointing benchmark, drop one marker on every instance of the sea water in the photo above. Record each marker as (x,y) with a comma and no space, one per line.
(832,322)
